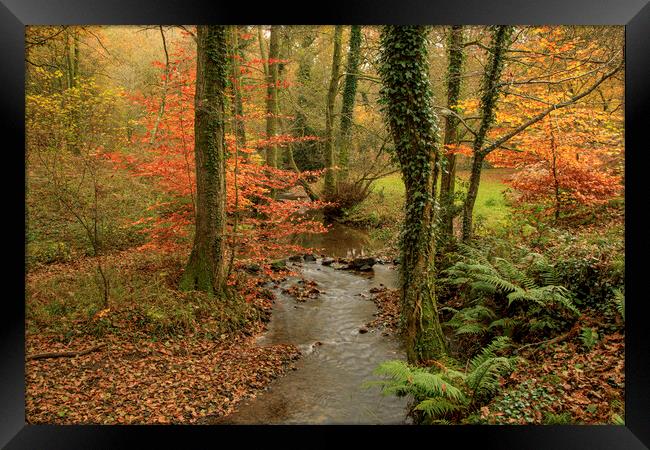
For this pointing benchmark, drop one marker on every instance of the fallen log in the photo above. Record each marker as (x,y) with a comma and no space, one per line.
(69,354)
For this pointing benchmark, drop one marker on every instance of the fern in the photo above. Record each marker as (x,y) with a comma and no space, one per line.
(470,320)
(440,392)
(531,284)
(437,407)
(619,300)
(471,328)
(507,324)
(486,368)
(589,337)
(497,281)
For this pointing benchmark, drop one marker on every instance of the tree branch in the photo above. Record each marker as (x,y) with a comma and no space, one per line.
(499,142)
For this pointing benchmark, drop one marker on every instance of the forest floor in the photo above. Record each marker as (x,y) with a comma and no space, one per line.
(156,365)
(561,383)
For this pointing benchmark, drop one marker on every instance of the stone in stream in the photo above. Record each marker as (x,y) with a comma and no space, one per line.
(309,257)
(252,268)
(327,261)
(363,330)
(295,258)
(363,264)
(278,265)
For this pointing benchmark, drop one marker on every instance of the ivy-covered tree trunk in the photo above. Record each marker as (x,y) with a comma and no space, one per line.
(349,94)
(329,113)
(272,96)
(490,92)
(407,99)
(205,268)
(448,175)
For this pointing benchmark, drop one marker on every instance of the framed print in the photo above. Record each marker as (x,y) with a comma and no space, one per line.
(257,220)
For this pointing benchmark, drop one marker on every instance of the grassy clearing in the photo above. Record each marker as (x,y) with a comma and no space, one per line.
(382,211)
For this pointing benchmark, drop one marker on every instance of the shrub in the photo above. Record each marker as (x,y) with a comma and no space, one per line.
(347,195)
(593,267)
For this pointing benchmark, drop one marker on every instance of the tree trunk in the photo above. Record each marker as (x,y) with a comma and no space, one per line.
(310,153)
(205,268)
(349,94)
(163,95)
(556,182)
(75,57)
(490,92)
(236,105)
(329,114)
(448,176)
(404,72)
(472,193)
(271,97)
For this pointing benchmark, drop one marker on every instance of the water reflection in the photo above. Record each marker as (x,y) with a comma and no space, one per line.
(339,242)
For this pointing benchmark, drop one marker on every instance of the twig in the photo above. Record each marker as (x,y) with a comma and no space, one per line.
(65,354)
(555,340)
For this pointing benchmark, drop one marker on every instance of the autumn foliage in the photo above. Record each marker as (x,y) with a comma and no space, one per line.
(259,225)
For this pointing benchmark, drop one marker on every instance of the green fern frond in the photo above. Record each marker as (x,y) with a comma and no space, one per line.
(619,299)
(395,369)
(437,407)
(504,323)
(431,384)
(498,344)
(471,328)
(496,281)
(484,379)
(482,286)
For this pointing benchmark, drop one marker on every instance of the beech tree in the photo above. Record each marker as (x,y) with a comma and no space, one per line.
(349,94)
(490,92)
(408,107)
(329,113)
(448,173)
(271,68)
(573,72)
(205,268)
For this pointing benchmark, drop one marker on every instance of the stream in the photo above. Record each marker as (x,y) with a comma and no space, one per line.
(326,386)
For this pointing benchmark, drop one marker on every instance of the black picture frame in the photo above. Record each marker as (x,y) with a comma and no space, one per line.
(15,14)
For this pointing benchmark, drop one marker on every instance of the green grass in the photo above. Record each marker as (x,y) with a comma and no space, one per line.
(384,206)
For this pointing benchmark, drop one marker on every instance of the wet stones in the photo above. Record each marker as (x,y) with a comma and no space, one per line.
(328,261)
(303,290)
(363,264)
(278,265)
(252,268)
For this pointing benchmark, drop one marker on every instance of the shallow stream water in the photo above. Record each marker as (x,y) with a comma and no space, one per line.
(327,385)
